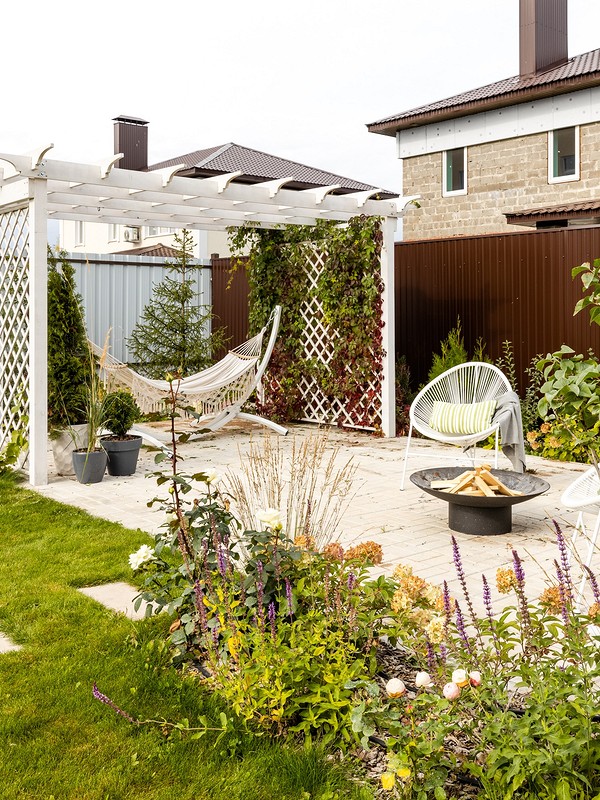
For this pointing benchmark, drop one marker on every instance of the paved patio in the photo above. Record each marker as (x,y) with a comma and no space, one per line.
(410,525)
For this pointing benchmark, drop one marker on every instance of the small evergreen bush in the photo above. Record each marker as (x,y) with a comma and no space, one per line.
(122,412)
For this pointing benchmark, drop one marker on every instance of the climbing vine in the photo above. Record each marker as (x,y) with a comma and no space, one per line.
(349,289)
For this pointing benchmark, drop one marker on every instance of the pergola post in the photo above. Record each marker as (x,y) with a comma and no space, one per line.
(388,386)
(38,333)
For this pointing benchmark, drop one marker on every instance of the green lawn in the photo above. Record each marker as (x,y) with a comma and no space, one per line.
(57,741)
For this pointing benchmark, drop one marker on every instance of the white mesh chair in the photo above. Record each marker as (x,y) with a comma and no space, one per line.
(583,495)
(462,387)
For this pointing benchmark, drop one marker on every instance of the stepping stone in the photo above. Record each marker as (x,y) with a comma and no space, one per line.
(6,645)
(118,597)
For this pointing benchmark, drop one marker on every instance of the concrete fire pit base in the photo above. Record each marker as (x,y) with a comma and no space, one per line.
(484,516)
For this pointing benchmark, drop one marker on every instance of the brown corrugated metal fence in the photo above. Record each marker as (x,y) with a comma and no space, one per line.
(514,287)
(229,302)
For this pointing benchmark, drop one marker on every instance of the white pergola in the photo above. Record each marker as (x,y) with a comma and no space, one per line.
(35,189)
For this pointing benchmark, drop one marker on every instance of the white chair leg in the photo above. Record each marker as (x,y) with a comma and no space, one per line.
(496,448)
(406,457)
(588,560)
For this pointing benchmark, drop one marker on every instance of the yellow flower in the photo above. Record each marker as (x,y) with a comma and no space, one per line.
(545,427)
(388,779)
(505,580)
(435,630)
(403,773)
(531,436)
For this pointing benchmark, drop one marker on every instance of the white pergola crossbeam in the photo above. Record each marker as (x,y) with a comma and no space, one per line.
(103,193)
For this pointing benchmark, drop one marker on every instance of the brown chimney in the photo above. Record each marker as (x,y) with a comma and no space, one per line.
(542,35)
(131,139)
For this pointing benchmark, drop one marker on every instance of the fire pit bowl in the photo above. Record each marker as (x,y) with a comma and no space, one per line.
(481,515)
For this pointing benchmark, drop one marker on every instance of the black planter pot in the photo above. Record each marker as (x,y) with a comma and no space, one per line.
(122,454)
(89,467)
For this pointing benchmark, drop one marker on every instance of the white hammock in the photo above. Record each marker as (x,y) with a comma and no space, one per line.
(216,393)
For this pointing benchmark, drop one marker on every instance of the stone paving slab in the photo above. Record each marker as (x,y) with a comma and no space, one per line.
(118,596)
(411,526)
(7,645)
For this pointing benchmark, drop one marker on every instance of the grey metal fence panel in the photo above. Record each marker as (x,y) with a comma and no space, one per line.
(116,289)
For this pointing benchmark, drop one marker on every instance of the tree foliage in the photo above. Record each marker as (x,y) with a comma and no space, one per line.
(68,353)
(171,336)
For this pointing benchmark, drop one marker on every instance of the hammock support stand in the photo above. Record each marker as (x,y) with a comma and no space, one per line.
(218,393)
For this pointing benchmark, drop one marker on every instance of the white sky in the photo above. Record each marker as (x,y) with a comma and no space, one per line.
(299,80)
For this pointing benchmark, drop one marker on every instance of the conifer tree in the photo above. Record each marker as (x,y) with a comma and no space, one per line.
(170,336)
(68,352)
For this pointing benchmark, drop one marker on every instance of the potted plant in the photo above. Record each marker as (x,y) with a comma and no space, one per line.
(68,363)
(89,462)
(121,447)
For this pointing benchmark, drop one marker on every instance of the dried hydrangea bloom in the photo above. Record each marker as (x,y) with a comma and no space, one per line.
(333,551)
(436,630)
(366,551)
(551,599)
(506,580)
(304,542)
(594,611)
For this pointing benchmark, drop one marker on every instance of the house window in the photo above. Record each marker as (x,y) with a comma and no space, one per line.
(563,155)
(113,233)
(155,230)
(455,172)
(79,240)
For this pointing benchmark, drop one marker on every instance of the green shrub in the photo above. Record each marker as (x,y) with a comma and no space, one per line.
(122,412)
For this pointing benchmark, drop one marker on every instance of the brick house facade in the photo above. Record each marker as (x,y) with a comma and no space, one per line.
(522,151)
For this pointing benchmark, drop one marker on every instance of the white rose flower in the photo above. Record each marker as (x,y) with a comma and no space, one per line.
(210,476)
(395,687)
(451,691)
(460,677)
(423,680)
(271,517)
(141,556)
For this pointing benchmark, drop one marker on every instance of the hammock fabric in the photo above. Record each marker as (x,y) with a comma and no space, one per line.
(228,382)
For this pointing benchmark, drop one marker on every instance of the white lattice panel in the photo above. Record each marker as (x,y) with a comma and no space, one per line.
(14,322)
(318,341)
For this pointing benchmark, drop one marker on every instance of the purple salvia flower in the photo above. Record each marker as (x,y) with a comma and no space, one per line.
(487,602)
(487,597)
(593,583)
(327,588)
(272,615)
(520,592)
(215,636)
(463,582)
(200,607)
(431,660)
(351,581)
(221,561)
(562,590)
(107,701)
(443,653)
(565,566)
(288,597)
(518,569)
(447,607)
(460,627)
(260,595)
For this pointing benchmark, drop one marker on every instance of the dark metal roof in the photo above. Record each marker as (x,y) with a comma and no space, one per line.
(531,216)
(578,72)
(257,166)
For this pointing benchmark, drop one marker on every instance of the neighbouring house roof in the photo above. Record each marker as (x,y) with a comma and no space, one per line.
(568,211)
(160,250)
(257,166)
(579,72)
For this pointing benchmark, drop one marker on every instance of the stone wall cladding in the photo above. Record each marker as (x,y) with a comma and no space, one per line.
(506,176)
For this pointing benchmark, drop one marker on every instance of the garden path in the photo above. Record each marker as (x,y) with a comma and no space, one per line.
(410,525)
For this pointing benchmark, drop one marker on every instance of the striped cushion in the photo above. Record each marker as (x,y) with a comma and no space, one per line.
(461,417)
